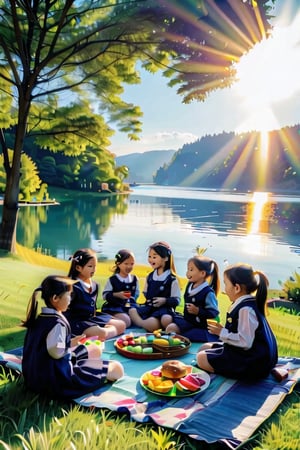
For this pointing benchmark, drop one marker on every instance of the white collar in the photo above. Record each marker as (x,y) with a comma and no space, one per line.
(240,300)
(127,279)
(193,291)
(161,277)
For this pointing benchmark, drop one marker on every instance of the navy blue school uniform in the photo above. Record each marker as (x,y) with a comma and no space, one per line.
(67,375)
(164,285)
(192,326)
(115,283)
(241,363)
(82,312)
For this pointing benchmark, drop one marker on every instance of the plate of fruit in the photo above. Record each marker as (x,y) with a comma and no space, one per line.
(156,345)
(175,379)
(92,340)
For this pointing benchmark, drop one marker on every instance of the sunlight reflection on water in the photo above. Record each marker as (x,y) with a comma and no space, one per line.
(230,233)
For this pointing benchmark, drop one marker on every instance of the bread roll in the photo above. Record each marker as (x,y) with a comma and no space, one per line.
(173,369)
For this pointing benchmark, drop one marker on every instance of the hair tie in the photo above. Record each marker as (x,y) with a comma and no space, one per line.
(118,256)
(212,267)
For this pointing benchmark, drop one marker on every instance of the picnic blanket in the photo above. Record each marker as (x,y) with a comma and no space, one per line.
(228,411)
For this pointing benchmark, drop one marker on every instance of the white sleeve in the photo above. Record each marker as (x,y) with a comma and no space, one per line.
(107,288)
(175,289)
(244,337)
(56,342)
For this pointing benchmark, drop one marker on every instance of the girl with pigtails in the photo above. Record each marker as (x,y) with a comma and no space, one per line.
(82,313)
(200,301)
(248,348)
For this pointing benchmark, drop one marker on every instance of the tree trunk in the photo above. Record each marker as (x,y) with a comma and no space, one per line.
(11,197)
(8,227)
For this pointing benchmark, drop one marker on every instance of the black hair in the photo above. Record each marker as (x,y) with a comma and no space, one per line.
(211,269)
(163,249)
(50,286)
(120,257)
(245,276)
(80,258)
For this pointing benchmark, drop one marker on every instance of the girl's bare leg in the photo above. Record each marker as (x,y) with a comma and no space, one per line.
(149,324)
(124,317)
(166,320)
(118,325)
(96,331)
(203,363)
(172,328)
(115,371)
(94,351)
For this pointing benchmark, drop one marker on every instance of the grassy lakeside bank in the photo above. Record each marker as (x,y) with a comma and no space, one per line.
(56,425)
(20,274)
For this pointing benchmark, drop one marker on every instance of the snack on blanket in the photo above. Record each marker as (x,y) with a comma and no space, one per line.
(173,369)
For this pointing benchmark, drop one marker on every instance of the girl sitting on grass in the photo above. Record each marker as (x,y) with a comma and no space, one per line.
(53,363)
(122,288)
(82,313)
(248,348)
(200,300)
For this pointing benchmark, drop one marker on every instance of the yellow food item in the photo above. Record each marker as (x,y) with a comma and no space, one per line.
(161,341)
(155,382)
(163,386)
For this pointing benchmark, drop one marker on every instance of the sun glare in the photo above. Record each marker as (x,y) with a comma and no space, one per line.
(268,74)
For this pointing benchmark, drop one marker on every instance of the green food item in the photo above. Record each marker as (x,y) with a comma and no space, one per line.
(137,349)
(88,342)
(175,341)
(147,350)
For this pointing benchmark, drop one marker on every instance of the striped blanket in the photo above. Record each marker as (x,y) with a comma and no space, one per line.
(228,411)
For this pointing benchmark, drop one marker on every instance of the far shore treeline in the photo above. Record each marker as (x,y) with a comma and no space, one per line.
(226,160)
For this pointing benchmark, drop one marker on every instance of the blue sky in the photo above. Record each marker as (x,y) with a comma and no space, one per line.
(169,124)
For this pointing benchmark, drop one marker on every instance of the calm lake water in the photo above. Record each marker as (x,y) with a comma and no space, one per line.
(257,228)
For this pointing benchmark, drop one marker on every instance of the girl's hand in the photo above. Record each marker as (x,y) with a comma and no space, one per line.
(214,328)
(192,309)
(75,340)
(158,301)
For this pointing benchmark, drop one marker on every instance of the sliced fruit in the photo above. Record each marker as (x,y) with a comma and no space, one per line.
(181,387)
(163,387)
(154,383)
(192,382)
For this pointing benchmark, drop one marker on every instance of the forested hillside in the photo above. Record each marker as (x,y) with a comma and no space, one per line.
(237,161)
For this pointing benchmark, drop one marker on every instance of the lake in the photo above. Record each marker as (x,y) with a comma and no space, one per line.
(257,228)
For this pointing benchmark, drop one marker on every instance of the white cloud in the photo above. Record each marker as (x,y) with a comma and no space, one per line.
(166,136)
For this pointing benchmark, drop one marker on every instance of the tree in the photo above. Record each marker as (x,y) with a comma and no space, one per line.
(48,48)
(63,65)
(206,39)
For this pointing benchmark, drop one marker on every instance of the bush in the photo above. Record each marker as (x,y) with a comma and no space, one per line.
(292,288)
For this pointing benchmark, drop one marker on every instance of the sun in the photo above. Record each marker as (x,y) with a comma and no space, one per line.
(269,74)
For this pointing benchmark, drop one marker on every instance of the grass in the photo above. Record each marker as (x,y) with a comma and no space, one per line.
(31,422)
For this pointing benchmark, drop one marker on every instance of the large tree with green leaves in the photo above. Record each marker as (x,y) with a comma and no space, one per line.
(63,64)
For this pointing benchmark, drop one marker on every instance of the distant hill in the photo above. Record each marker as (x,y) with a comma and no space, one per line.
(234,161)
(143,166)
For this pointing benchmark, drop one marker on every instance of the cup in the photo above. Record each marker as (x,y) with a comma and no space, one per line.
(211,321)
(127,295)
